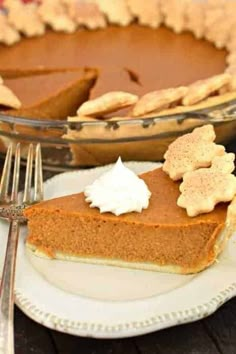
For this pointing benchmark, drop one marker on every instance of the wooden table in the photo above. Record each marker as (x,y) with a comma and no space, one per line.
(213,335)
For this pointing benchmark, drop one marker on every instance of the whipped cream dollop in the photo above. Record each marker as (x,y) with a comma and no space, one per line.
(118,191)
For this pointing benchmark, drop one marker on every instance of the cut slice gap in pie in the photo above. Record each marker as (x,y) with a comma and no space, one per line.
(51,96)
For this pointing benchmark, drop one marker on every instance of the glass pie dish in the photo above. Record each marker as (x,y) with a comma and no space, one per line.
(76,144)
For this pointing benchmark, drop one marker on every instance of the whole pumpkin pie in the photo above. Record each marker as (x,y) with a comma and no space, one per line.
(160,46)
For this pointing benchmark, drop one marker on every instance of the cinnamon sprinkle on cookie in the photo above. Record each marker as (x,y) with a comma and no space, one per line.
(191,151)
(203,189)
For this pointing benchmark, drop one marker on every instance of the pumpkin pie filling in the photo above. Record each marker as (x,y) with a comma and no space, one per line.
(150,53)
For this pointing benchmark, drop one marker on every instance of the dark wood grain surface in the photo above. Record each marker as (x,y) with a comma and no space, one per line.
(213,335)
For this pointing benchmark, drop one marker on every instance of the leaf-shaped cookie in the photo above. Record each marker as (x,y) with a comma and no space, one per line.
(25,18)
(107,103)
(156,101)
(117,11)
(8,34)
(203,189)
(202,89)
(191,151)
(86,13)
(55,14)
(148,13)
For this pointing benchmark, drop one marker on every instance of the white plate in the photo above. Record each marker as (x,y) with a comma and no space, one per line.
(109,302)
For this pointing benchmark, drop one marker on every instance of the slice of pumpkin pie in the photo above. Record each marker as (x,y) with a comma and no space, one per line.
(137,222)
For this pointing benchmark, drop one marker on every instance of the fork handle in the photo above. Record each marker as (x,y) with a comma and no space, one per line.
(7,292)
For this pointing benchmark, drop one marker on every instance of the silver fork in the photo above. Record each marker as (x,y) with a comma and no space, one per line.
(12,210)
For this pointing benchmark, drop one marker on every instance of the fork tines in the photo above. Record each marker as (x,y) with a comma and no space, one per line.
(5,196)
